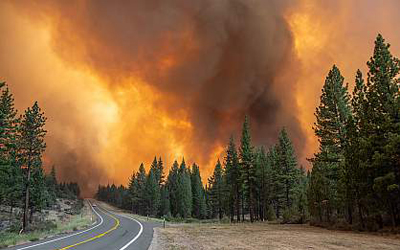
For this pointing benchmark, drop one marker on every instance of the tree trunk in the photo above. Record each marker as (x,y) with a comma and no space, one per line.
(277,210)
(237,204)
(31,214)
(392,213)
(287,194)
(320,211)
(251,205)
(360,215)
(350,212)
(243,206)
(232,207)
(25,219)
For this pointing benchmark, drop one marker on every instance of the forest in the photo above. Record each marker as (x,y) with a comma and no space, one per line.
(250,182)
(353,181)
(24,186)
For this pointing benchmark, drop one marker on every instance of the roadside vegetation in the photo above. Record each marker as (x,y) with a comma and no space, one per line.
(355,177)
(69,218)
(32,204)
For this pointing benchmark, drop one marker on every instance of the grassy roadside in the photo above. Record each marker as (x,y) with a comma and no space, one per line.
(128,213)
(74,223)
(160,220)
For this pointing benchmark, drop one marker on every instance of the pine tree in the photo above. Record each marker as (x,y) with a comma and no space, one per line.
(300,199)
(233,176)
(351,178)
(165,206)
(172,186)
(380,131)
(277,186)
(141,190)
(289,173)
(31,146)
(264,182)
(11,178)
(330,128)
(152,192)
(39,195)
(197,192)
(160,167)
(248,169)
(133,192)
(154,168)
(184,191)
(216,191)
(52,185)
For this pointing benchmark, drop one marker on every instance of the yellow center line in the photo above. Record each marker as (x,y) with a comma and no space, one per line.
(97,236)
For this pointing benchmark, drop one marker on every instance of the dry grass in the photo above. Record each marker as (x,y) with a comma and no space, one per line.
(265,236)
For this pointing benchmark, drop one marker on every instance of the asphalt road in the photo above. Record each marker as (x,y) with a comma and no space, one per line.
(110,231)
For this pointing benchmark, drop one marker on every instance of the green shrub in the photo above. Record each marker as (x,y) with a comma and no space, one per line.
(271,215)
(291,216)
(225,220)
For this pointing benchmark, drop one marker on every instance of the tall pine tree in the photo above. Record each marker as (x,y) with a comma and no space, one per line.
(31,146)
(247,166)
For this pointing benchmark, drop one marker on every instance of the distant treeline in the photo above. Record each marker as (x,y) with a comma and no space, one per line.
(355,178)
(356,173)
(23,183)
(250,184)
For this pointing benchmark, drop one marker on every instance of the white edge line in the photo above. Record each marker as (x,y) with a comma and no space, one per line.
(137,236)
(67,236)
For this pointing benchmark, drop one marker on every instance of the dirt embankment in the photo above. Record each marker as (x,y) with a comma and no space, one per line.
(266,236)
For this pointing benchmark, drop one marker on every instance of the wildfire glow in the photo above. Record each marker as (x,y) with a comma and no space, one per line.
(110,123)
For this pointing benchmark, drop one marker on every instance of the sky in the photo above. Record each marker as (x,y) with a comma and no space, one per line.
(123,81)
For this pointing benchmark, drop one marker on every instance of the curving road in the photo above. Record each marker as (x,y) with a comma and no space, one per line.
(110,231)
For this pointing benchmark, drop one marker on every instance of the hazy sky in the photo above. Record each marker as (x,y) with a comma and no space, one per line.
(121,83)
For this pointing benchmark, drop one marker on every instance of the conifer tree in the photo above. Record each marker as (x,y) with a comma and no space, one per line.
(31,146)
(380,131)
(233,176)
(160,172)
(248,169)
(330,128)
(197,192)
(165,206)
(39,195)
(52,185)
(216,191)
(184,191)
(141,190)
(289,173)
(264,182)
(10,174)
(152,192)
(351,178)
(277,186)
(172,186)
(133,192)
(154,168)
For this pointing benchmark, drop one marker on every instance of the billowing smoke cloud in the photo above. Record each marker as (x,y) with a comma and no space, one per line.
(209,63)
(175,78)
(213,60)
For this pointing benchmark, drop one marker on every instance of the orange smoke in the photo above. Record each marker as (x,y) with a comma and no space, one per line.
(178,84)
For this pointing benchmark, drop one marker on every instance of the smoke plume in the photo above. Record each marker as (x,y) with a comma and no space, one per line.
(123,81)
